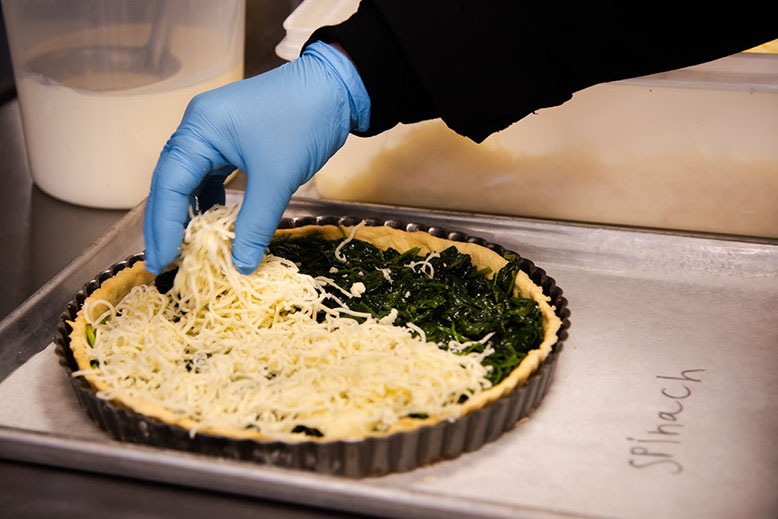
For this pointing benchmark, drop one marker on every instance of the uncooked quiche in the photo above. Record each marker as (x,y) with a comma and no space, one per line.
(344,333)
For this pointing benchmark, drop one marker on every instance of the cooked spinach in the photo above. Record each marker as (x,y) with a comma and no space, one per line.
(90,334)
(457,303)
(308,431)
(164,281)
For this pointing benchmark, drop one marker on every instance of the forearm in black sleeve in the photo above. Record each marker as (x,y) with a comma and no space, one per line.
(481,65)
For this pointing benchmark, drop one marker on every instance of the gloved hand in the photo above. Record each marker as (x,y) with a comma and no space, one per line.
(280,127)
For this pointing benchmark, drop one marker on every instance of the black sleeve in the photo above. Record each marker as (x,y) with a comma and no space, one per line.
(481,65)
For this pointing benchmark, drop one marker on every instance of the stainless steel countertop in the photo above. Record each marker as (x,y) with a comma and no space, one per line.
(42,235)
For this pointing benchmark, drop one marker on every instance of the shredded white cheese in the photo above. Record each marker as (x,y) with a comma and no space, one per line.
(339,249)
(424,265)
(224,350)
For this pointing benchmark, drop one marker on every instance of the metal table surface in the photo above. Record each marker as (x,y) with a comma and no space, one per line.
(42,235)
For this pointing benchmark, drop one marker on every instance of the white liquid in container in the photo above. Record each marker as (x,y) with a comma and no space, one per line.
(99,149)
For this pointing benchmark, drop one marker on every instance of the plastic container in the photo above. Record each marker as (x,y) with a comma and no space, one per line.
(102,84)
(694,150)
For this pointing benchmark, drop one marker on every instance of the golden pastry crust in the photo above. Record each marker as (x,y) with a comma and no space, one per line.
(117,287)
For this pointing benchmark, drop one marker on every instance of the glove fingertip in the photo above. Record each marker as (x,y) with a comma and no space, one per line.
(247,262)
(156,262)
(152,266)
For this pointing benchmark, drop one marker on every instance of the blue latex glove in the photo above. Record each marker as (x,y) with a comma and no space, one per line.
(279,127)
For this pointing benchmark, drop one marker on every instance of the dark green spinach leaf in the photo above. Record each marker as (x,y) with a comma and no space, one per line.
(458,302)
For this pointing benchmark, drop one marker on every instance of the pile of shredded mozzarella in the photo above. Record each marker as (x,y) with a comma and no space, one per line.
(225,350)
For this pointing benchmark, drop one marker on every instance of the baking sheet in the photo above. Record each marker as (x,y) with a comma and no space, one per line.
(664,404)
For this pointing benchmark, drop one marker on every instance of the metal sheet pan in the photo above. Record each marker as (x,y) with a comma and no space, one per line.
(664,402)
